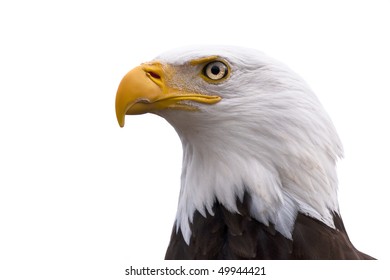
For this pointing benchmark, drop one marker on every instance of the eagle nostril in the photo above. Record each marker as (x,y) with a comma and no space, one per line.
(154,75)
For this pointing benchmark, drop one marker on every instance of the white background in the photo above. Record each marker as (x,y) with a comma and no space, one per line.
(81,198)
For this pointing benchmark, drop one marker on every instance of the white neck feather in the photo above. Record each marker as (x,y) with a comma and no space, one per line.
(282,176)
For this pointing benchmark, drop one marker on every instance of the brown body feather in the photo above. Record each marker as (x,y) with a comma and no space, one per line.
(227,235)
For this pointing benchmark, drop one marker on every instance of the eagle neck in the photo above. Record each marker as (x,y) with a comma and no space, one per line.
(220,165)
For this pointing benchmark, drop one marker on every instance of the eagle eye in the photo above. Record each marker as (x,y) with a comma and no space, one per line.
(215,70)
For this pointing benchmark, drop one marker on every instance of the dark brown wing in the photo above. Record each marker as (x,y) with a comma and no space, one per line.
(227,235)
(315,240)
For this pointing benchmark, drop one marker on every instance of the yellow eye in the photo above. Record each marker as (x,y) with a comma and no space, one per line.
(215,70)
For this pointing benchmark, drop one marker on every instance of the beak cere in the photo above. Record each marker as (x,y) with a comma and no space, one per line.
(144,89)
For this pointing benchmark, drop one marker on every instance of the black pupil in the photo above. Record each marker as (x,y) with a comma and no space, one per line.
(215,70)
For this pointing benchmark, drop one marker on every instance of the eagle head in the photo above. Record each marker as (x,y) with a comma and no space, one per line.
(248,124)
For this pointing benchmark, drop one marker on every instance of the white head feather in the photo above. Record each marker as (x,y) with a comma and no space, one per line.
(268,136)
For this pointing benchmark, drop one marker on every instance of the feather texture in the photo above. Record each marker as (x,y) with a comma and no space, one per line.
(227,235)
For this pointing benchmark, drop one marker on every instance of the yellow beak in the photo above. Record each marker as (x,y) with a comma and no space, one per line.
(144,89)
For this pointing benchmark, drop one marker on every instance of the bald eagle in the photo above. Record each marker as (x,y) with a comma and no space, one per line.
(259,154)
